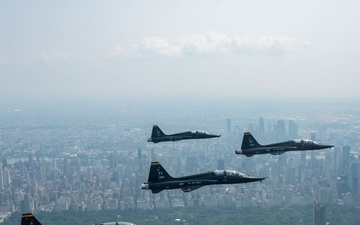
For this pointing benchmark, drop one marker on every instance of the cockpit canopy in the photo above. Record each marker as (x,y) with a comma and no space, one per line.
(305,141)
(232,173)
(201,132)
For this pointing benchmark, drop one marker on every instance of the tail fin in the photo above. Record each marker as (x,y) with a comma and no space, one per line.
(249,142)
(156,132)
(29,219)
(158,173)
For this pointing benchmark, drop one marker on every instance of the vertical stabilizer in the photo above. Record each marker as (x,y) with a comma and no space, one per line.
(249,142)
(157,132)
(158,173)
(29,219)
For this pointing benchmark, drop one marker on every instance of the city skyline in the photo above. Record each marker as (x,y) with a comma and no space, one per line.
(76,159)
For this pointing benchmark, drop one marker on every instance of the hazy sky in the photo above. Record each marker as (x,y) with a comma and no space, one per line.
(148,49)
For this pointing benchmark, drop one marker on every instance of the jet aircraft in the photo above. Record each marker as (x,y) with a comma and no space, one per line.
(158,136)
(160,180)
(29,219)
(251,147)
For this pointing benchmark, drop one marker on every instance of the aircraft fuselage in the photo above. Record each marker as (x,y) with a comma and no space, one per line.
(189,183)
(281,147)
(182,136)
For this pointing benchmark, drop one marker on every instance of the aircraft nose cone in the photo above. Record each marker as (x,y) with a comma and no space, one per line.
(259,179)
(254,179)
(327,146)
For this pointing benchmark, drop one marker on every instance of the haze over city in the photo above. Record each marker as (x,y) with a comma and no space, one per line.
(82,83)
(178,49)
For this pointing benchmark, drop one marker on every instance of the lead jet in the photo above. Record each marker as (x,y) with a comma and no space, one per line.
(160,180)
(251,147)
(29,219)
(158,136)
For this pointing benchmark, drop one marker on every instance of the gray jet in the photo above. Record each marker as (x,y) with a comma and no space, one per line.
(158,136)
(251,147)
(160,180)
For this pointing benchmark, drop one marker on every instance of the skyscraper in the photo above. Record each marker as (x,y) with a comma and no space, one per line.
(221,164)
(139,153)
(261,132)
(319,214)
(228,126)
(345,158)
(293,130)
(280,130)
(354,179)
(1,179)
(313,136)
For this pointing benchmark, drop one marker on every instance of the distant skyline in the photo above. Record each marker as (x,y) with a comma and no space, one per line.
(178,49)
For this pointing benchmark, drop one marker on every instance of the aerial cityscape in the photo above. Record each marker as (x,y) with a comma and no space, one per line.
(69,159)
(165,112)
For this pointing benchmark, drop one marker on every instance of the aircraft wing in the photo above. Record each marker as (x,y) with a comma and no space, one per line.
(281,149)
(191,188)
(154,191)
(277,153)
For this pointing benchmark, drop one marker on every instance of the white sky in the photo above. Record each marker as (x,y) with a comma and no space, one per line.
(148,49)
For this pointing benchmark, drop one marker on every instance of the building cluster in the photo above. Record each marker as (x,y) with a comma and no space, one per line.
(83,177)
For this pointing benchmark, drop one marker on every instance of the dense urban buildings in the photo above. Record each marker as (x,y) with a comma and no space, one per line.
(97,160)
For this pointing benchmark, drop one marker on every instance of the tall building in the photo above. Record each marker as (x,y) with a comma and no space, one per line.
(7,177)
(228,126)
(345,158)
(280,130)
(303,158)
(261,132)
(111,161)
(323,195)
(336,163)
(313,136)
(139,156)
(354,179)
(27,205)
(319,214)
(290,176)
(66,166)
(293,130)
(221,164)
(1,179)
(328,170)
(322,134)
(4,163)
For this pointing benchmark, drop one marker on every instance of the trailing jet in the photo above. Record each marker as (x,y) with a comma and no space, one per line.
(251,147)
(160,180)
(158,136)
(29,219)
